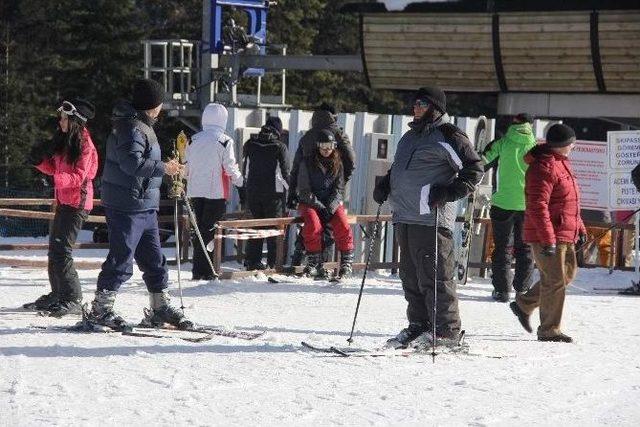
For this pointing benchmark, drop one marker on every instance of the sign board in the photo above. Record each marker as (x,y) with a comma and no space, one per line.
(624,155)
(589,162)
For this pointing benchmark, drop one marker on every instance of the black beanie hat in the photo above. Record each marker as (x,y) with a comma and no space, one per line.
(523,118)
(84,107)
(147,94)
(274,123)
(433,95)
(325,135)
(325,106)
(560,135)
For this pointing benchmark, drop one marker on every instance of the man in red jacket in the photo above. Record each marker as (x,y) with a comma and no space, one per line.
(552,225)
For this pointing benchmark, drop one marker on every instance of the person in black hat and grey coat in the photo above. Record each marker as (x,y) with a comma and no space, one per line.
(266,173)
(434,166)
(131,179)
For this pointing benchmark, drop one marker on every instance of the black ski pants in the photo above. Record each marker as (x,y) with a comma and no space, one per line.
(208,212)
(63,276)
(417,244)
(507,236)
(260,207)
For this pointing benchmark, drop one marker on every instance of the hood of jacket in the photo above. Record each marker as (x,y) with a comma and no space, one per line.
(214,117)
(544,153)
(322,119)
(521,133)
(421,125)
(267,136)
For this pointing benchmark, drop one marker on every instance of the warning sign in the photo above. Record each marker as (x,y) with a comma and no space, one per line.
(624,150)
(589,163)
(622,192)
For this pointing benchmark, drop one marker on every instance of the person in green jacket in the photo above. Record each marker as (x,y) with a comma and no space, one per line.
(507,208)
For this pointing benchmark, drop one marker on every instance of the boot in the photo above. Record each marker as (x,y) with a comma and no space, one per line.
(313,262)
(346,264)
(102,311)
(522,316)
(557,338)
(500,296)
(163,312)
(405,336)
(63,308)
(42,303)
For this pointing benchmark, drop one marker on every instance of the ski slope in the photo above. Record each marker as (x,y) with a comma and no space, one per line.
(56,378)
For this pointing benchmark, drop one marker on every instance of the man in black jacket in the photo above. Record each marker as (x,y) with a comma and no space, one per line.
(266,173)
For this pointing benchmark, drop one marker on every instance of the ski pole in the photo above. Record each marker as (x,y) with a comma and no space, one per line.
(364,274)
(192,218)
(588,243)
(177,235)
(435,288)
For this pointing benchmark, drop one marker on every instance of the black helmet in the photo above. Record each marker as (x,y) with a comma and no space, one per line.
(326,139)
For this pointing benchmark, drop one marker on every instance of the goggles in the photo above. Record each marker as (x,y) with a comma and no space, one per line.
(70,110)
(330,145)
(422,103)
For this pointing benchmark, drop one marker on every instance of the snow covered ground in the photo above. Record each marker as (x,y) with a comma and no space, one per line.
(55,378)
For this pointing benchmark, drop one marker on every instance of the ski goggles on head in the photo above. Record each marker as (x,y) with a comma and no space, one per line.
(422,103)
(70,110)
(329,145)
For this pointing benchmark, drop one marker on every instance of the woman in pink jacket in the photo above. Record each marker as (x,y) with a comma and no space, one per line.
(71,159)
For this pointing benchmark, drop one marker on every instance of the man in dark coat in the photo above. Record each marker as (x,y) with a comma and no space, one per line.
(266,172)
(131,181)
(434,166)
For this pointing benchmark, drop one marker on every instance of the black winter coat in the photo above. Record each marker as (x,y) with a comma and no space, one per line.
(319,188)
(265,164)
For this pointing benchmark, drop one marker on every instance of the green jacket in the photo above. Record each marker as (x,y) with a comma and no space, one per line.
(509,151)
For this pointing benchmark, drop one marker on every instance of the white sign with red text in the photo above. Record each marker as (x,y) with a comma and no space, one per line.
(589,163)
(624,155)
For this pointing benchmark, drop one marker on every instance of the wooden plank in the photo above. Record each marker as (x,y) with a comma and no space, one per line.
(451,85)
(424,29)
(546,44)
(623,86)
(48,202)
(400,51)
(583,67)
(429,66)
(433,37)
(538,36)
(544,54)
(560,17)
(469,74)
(539,75)
(506,28)
(553,86)
(619,43)
(431,59)
(428,44)
(431,18)
(606,35)
(533,61)
(628,16)
(79,264)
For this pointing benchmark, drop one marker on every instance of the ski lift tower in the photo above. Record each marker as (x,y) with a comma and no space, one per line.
(195,73)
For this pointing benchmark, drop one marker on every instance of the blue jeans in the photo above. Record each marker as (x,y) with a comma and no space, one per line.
(133,235)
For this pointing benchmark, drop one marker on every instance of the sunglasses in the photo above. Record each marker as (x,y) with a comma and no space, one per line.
(421,103)
(326,146)
(70,110)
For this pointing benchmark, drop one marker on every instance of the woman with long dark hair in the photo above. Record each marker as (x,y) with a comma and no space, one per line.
(71,159)
(320,189)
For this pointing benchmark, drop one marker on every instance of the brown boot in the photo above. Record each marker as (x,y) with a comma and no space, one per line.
(522,316)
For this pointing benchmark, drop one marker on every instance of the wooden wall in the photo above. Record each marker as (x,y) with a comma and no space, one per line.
(535,51)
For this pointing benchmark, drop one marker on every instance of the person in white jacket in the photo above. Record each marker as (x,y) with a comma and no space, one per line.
(211,169)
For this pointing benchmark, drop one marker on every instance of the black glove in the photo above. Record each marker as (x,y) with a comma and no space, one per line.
(325,215)
(292,200)
(549,250)
(382,189)
(242,194)
(37,154)
(439,195)
(582,240)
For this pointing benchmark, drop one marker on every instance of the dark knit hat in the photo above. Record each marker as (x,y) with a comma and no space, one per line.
(523,118)
(560,135)
(274,123)
(325,135)
(433,95)
(147,94)
(325,106)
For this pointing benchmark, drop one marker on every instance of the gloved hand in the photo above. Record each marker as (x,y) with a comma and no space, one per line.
(37,154)
(242,195)
(292,200)
(549,250)
(382,189)
(439,195)
(582,240)
(325,215)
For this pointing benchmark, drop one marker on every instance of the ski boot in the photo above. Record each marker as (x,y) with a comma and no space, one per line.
(42,303)
(102,312)
(313,261)
(163,312)
(449,339)
(63,308)
(500,296)
(346,264)
(634,289)
(406,336)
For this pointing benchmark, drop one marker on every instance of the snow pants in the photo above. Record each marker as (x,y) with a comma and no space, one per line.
(264,207)
(133,235)
(507,228)
(208,212)
(417,258)
(63,276)
(556,273)
(312,230)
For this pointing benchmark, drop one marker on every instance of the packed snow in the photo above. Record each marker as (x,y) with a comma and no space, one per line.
(51,377)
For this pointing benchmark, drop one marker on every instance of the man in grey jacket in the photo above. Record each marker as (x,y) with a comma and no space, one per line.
(434,166)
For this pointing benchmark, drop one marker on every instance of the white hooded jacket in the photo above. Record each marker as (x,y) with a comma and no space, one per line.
(211,162)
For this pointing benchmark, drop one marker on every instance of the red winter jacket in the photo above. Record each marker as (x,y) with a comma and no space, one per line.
(552,211)
(74,183)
